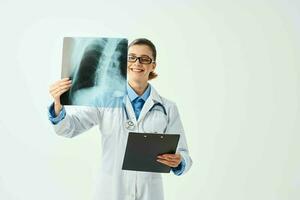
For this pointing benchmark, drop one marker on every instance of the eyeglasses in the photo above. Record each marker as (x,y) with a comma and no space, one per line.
(142,59)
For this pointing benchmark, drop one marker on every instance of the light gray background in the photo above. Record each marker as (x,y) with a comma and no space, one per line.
(232,67)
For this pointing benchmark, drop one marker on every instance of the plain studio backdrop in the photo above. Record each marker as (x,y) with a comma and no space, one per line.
(232,67)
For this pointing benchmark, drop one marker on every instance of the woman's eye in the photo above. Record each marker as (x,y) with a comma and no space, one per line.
(131,58)
(145,59)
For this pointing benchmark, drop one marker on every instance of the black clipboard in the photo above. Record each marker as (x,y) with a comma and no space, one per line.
(143,148)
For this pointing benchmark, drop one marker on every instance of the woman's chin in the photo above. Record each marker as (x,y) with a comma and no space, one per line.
(136,79)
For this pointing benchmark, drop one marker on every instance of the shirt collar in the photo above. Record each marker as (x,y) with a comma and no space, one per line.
(133,95)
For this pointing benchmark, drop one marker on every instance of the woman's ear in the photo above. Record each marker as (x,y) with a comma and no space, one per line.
(153,66)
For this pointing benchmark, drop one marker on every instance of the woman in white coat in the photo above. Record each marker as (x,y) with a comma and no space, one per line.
(140,108)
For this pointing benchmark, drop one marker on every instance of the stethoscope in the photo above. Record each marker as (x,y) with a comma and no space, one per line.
(129,124)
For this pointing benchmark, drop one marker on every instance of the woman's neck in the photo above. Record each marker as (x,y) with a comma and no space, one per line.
(139,88)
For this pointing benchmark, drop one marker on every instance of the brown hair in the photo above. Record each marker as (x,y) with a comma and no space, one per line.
(144,41)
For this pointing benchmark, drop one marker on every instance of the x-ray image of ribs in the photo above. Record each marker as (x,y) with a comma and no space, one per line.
(97,67)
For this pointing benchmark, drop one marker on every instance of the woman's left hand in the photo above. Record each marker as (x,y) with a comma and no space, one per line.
(172,160)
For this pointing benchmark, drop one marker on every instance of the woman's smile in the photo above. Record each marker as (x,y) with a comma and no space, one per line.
(134,69)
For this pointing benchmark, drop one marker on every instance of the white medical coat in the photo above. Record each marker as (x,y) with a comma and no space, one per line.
(115,183)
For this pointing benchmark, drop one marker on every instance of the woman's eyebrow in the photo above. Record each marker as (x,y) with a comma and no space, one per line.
(143,55)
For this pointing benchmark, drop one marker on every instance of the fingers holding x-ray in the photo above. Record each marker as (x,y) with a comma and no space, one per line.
(59,93)
(59,87)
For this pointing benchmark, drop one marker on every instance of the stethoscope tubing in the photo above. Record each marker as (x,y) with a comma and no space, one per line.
(130,125)
(156,104)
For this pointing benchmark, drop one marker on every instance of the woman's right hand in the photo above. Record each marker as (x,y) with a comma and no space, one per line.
(57,89)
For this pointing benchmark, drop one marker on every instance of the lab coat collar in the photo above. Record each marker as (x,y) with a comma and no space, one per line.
(129,108)
(153,98)
(154,95)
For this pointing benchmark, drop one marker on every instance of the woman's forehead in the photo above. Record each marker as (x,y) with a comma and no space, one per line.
(140,50)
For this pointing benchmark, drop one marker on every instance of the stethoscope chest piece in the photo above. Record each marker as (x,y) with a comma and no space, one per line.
(129,125)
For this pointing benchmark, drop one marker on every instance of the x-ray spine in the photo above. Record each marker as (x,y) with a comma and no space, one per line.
(97,67)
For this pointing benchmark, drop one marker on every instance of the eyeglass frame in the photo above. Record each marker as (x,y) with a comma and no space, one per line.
(139,58)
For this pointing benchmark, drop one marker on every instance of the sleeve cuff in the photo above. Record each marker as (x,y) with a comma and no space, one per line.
(179,169)
(51,114)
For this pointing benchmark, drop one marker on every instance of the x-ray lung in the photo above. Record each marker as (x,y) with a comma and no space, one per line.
(97,67)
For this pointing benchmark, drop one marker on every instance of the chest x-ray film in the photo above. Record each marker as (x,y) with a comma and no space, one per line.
(98,69)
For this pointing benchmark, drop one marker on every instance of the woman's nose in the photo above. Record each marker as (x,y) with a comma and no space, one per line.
(137,62)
